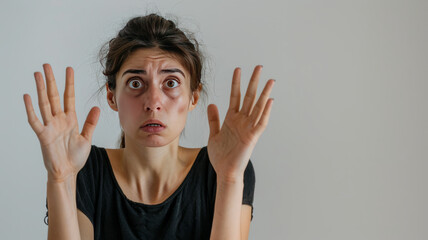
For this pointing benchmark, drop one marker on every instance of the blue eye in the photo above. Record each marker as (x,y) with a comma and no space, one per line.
(135,84)
(172,83)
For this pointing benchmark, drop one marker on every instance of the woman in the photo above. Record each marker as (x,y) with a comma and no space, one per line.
(150,188)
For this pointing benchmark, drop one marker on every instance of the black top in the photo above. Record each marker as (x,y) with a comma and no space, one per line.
(186,214)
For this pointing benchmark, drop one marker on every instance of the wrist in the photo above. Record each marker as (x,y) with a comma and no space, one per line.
(230,180)
(59,190)
(62,180)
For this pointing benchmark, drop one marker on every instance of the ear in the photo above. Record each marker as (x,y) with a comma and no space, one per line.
(111,100)
(195,98)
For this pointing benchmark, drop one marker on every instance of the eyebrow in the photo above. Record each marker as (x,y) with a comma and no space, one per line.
(141,71)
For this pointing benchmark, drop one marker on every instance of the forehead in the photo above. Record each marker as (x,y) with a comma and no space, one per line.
(151,58)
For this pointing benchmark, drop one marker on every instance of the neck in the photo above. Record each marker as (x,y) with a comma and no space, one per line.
(152,171)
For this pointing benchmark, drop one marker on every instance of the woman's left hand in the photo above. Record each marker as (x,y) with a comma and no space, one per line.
(230,146)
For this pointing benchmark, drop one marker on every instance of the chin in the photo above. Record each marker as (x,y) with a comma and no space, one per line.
(145,139)
(155,141)
(153,145)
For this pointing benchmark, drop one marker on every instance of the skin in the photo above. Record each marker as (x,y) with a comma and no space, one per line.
(152,163)
(64,149)
(230,146)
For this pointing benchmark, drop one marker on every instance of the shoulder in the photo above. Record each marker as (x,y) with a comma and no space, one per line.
(96,153)
(249,171)
(249,177)
(198,162)
(95,163)
(113,155)
(191,156)
(189,152)
(201,159)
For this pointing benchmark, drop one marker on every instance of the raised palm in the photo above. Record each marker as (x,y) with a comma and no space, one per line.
(230,146)
(64,150)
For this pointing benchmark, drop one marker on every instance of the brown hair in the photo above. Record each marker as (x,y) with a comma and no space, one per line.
(151,31)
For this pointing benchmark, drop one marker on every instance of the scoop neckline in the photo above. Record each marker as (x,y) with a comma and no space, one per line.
(168,199)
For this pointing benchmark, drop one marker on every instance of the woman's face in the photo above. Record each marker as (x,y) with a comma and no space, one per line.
(152,97)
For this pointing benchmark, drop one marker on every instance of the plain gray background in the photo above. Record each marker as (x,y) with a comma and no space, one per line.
(345,153)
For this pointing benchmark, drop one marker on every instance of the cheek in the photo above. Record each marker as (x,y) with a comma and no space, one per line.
(180,99)
(126,106)
(183,108)
(182,104)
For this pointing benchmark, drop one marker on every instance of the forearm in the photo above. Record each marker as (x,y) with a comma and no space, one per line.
(227,210)
(62,208)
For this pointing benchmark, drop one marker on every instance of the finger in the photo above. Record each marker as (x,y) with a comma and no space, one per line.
(261,103)
(213,119)
(90,123)
(69,97)
(53,95)
(34,122)
(250,95)
(235,93)
(44,105)
(264,119)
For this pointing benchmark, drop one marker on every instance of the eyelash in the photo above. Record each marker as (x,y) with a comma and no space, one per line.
(175,80)
(140,81)
(133,79)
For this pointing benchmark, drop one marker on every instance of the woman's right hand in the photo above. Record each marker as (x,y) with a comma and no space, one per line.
(64,149)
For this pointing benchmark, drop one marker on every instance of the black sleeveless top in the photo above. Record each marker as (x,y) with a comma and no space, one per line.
(186,214)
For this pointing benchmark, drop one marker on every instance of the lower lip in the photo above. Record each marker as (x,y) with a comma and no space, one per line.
(153,129)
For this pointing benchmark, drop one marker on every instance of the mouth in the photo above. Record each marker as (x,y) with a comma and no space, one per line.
(153,126)
(153,123)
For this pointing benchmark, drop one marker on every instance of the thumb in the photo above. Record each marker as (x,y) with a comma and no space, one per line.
(90,123)
(213,119)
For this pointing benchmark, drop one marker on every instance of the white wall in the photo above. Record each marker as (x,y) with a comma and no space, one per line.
(345,154)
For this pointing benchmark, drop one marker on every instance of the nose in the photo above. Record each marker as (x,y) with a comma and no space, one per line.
(153,99)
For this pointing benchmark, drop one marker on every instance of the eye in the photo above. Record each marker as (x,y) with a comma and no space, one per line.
(172,83)
(135,84)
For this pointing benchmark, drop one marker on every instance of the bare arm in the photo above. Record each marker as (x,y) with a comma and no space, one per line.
(64,149)
(227,210)
(63,222)
(246,211)
(229,149)
(85,226)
